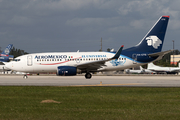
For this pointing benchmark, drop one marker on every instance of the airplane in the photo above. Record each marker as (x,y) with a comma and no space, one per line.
(4,56)
(141,71)
(71,63)
(146,71)
(167,70)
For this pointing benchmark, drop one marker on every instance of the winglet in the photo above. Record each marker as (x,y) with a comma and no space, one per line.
(166,16)
(116,56)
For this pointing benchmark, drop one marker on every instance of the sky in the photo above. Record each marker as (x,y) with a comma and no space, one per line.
(71,25)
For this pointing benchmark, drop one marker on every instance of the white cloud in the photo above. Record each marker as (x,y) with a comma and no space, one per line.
(66,5)
(93,21)
(175,24)
(19,20)
(136,6)
(68,20)
(84,21)
(142,23)
(147,8)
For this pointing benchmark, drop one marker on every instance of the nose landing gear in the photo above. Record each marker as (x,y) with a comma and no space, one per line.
(25,76)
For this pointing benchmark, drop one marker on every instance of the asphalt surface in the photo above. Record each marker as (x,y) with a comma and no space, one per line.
(130,81)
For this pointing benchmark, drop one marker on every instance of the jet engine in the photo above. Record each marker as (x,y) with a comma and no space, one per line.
(66,70)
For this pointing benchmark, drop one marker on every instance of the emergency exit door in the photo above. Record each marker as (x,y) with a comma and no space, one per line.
(29,60)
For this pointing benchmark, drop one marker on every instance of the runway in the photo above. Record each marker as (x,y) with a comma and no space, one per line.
(130,81)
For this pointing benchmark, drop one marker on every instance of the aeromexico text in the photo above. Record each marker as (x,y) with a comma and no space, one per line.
(65,56)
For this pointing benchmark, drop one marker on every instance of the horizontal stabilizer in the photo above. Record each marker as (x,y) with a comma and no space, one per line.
(159,53)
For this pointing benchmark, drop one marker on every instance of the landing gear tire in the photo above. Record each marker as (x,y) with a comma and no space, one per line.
(88,75)
(25,77)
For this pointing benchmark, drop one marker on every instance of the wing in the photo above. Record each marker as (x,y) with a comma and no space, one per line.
(93,66)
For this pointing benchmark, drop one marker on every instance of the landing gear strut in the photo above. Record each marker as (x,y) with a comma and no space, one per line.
(88,75)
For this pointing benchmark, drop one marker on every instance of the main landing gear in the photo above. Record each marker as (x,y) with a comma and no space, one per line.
(88,75)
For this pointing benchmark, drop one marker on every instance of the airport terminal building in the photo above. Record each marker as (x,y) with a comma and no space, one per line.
(175,59)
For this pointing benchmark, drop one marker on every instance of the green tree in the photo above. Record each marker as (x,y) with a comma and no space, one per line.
(108,50)
(17,52)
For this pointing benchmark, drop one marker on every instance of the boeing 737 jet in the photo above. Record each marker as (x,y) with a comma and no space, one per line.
(70,63)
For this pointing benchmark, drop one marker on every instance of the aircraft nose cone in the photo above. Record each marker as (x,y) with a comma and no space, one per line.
(8,65)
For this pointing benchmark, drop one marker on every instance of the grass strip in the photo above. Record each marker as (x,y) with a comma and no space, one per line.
(89,103)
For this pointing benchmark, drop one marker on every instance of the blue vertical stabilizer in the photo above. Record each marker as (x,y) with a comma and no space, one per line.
(154,39)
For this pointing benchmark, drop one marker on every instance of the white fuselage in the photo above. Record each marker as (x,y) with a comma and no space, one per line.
(48,62)
(165,69)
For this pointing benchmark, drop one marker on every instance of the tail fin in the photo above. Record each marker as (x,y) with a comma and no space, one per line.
(151,65)
(8,49)
(141,68)
(153,40)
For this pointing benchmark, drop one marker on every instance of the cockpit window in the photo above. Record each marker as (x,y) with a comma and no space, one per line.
(16,60)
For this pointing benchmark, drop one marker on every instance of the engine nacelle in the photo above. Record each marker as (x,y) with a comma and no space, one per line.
(66,70)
